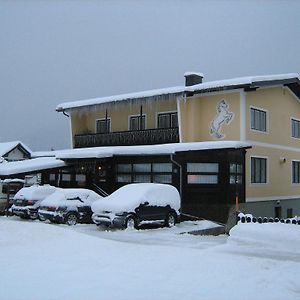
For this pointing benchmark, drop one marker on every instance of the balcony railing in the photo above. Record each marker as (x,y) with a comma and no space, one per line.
(126,138)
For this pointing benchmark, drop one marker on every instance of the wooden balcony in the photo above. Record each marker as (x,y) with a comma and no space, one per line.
(128,138)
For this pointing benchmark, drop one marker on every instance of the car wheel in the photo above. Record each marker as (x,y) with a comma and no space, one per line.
(170,220)
(41,218)
(130,223)
(71,219)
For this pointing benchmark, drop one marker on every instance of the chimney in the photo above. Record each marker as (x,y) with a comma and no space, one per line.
(192,78)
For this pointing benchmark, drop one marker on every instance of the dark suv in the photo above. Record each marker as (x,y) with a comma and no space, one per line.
(139,203)
(69,206)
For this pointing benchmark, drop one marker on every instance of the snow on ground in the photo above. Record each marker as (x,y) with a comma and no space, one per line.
(46,261)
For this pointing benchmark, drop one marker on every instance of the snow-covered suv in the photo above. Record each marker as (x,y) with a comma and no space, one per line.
(27,200)
(139,203)
(69,206)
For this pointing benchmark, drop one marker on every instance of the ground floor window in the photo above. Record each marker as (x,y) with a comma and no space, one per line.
(202,173)
(258,170)
(236,173)
(144,172)
(296,171)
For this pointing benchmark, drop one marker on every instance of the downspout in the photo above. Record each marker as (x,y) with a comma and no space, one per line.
(70,125)
(180,176)
(65,114)
(178,98)
(141,118)
(106,123)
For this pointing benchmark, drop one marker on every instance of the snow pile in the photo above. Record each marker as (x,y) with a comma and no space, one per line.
(130,196)
(54,262)
(269,236)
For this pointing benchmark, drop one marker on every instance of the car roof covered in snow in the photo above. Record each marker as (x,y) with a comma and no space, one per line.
(67,196)
(130,196)
(35,192)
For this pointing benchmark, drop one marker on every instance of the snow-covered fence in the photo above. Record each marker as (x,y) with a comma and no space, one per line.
(251,219)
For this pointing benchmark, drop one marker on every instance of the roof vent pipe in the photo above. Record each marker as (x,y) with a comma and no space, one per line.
(192,78)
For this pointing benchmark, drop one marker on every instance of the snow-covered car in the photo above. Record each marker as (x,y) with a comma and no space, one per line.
(138,203)
(69,206)
(27,200)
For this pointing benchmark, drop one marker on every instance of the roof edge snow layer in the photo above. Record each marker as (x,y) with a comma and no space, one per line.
(253,81)
(160,149)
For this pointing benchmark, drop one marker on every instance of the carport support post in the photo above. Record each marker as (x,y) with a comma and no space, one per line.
(7,199)
(180,176)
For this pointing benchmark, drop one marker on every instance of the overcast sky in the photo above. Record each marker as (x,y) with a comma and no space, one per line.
(61,50)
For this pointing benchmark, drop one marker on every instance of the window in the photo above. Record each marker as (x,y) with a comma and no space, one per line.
(144,172)
(141,168)
(295,128)
(66,177)
(167,120)
(236,173)
(289,213)
(103,125)
(296,171)
(258,170)
(52,177)
(258,119)
(134,122)
(202,173)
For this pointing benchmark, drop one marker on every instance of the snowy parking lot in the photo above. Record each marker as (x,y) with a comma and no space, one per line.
(45,261)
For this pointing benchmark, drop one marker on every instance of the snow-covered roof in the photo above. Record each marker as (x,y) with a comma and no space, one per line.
(30,165)
(161,149)
(116,98)
(193,73)
(241,81)
(8,146)
(37,154)
(253,81)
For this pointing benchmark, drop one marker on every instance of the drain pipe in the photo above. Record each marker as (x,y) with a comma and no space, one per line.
(180,176)
(64,113)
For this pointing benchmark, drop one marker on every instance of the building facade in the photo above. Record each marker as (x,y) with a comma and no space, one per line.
(262,110)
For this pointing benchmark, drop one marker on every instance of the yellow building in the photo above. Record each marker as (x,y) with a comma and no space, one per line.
(261,110)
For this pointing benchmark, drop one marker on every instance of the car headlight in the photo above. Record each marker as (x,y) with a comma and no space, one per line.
(121,214)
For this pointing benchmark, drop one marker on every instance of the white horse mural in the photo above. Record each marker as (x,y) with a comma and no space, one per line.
(224,115)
